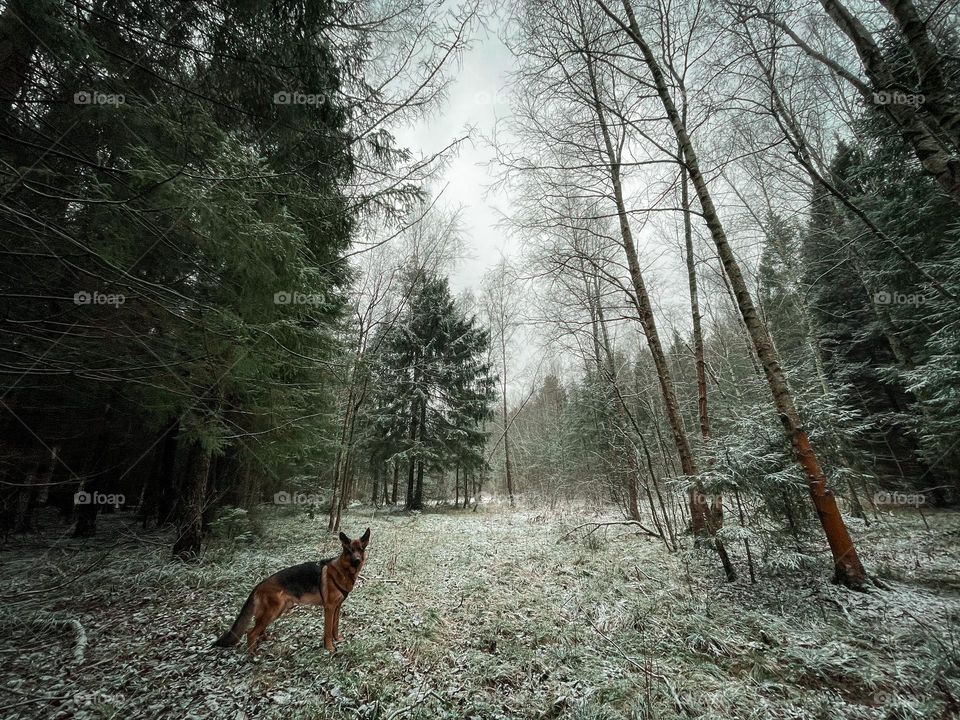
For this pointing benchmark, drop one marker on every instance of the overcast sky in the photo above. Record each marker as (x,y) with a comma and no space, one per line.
(475,100)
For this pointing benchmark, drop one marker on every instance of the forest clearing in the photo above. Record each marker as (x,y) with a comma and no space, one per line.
(629,328)
(489,614)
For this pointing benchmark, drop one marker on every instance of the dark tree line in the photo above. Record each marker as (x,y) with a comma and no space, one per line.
(181,183)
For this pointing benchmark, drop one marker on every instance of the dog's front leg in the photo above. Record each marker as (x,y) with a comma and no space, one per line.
(336,624)
(328,620)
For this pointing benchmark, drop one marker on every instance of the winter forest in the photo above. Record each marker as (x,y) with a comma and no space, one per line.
(629,328)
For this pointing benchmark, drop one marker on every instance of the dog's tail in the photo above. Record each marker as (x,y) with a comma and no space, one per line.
(233,635)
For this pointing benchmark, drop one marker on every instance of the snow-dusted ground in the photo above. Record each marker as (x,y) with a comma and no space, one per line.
(482,615)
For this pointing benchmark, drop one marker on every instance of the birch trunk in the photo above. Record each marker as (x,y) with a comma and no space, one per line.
(641,297)
(698,501)
(848,569)
(930,151)
(929,63)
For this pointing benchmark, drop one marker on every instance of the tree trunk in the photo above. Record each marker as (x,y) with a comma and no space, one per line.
(410,502)
(506,420)
(29,498)
(929,64)
(848,569)
(413,436)
(935,158)
(190,522)
(698,507)
(418,490)
(417,503)
(335,485)
(699,511)
(377,477)
(633,466)
(151,489)
(218,478)
(396,482)
(85,524)
(641,297)
(166,490)
(17,45)
(411,478)
(339,465)
(506,463)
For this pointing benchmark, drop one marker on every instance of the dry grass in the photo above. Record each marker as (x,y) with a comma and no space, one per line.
(482,615)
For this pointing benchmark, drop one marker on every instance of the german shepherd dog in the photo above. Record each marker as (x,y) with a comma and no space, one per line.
(326,583)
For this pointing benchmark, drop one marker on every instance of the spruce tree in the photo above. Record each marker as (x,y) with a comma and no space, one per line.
(435,386)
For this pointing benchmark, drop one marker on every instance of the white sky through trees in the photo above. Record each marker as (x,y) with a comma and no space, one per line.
(475,100)
(478,104)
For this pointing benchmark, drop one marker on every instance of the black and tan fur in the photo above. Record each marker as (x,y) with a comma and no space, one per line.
(326,583)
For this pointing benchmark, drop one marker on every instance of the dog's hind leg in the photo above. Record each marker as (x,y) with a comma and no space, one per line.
(270,609)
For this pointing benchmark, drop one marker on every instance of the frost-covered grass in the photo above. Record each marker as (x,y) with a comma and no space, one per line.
(482,615)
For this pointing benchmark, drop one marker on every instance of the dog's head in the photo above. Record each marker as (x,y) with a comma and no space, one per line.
(355,551)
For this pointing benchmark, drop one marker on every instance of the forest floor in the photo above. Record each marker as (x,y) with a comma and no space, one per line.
(482,615)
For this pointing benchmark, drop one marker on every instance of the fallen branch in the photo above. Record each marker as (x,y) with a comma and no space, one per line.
(389,581)
(641,572)
(46,621)
(44,698)
(597,525)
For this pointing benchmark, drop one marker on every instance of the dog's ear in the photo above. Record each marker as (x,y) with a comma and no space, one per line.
(344,539)
(365,538)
